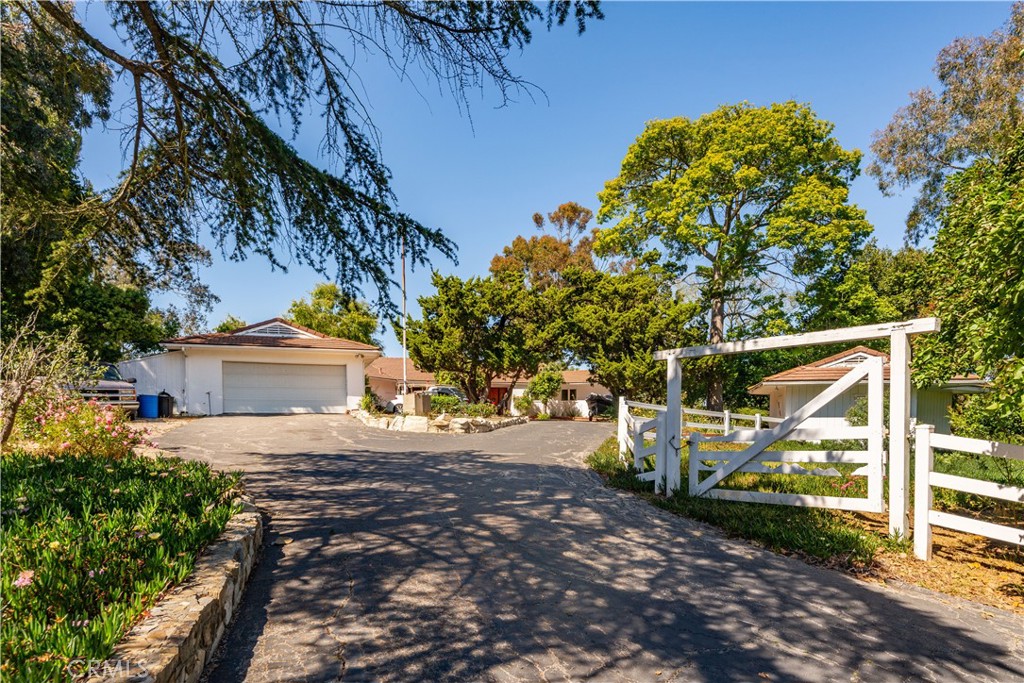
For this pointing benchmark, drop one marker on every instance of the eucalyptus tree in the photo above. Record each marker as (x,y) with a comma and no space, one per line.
(747,204)
(973,114)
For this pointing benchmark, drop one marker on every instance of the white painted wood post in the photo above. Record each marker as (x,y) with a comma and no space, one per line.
(757,421)
(876,434)
(694,463)
(673,425)
(924,459)
(899,427)
(623,429)
(727,421)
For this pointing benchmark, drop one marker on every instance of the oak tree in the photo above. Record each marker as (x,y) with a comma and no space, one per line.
(745,204)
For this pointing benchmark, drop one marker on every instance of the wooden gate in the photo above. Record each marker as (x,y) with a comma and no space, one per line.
(756,457)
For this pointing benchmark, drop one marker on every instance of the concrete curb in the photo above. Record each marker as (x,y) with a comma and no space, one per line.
(182,631)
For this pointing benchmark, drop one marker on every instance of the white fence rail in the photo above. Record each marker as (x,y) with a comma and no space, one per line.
(927,441)
(728,419)
(634,432)
(756,458)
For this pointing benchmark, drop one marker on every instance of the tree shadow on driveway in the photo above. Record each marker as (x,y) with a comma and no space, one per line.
(463,565)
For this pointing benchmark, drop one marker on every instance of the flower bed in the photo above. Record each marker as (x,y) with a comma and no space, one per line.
(89,544)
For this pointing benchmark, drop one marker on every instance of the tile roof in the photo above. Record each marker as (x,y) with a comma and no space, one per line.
(817,373)
(391,368)
(239,338)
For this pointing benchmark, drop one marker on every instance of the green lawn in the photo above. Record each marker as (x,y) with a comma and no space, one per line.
(831,536)
(88,544)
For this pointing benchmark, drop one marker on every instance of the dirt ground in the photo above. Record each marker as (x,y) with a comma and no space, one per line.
(962,565)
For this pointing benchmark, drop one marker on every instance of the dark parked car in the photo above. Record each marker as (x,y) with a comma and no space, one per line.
(112,389)
(600,404)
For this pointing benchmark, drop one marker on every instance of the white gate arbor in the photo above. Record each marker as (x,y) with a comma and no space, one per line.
(899,417)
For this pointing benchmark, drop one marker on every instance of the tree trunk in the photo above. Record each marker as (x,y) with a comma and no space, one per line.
(716,335)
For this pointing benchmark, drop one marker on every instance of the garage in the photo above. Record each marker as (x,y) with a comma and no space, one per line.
(284,388)
(274,366)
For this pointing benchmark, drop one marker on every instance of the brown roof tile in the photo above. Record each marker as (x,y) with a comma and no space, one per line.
(391,368)
(239,338)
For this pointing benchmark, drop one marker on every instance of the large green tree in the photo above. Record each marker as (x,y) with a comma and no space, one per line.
(978,266)
(745,203)
(973,114)
(47,274)
(879,285)
(204,79)
(617,321)
(331,311)
(481,328)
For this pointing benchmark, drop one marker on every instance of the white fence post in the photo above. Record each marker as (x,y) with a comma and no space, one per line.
(757,421)
(924,458)
(726,421)
(673,427)
(899,425)
(694,462)
(623,428)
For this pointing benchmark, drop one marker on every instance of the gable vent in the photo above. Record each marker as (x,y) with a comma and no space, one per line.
(276,330)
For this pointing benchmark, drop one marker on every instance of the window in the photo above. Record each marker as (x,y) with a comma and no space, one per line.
(568,394)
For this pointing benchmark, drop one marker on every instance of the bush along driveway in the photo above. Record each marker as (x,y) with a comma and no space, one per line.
(394,556)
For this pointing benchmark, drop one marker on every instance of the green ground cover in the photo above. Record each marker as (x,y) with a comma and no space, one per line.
(828,536)
(88,544)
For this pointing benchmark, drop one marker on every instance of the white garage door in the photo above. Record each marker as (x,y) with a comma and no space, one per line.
(284,388)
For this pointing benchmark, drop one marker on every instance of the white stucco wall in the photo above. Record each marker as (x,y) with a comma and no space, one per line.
(193,375)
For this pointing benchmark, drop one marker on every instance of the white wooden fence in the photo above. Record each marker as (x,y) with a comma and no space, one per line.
(899,403)
(925,478)
(729,420)
(756,457)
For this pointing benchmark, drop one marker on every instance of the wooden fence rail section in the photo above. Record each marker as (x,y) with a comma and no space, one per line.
(925,478)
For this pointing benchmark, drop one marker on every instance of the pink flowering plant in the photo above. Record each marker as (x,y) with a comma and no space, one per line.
(89,542)
(65,425)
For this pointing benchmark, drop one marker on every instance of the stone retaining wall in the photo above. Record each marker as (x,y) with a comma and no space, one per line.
(180,634)
(439,425)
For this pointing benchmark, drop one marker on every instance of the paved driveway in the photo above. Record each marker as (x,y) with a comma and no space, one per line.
(403,557)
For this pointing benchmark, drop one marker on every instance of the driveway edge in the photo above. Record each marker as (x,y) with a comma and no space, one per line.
(178,637)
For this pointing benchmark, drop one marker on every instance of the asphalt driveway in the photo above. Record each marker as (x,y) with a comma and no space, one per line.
(422,557)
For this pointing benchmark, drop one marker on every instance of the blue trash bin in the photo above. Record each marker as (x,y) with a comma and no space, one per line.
(148,405)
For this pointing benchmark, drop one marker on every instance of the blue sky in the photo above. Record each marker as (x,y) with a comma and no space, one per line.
(481,179)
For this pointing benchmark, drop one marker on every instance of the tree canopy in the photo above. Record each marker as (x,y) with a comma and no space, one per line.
(542,258)
(200,155)
(974,114)
(745,203)
(331,311)
(617,321)
(478,329)
(978,264)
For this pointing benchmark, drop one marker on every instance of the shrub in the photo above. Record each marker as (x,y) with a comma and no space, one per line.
(478,410)
(445,404)
(524,405)
(34,367)
(89,544)
(66,425)
(370,402)
(564,409)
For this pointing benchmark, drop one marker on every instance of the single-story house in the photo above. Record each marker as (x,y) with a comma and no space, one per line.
(571,398)
(274,366)
(791,389)
(386,377)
